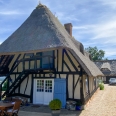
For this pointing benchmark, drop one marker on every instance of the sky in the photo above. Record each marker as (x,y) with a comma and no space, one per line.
(94,21)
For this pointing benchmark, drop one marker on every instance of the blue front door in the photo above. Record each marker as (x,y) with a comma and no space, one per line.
(60,90)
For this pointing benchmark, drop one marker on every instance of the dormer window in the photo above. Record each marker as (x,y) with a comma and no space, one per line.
(105,67)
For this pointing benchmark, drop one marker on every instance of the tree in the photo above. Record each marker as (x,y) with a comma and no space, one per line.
(95,53)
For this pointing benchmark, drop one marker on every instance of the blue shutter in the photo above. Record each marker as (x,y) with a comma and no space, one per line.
(60,90)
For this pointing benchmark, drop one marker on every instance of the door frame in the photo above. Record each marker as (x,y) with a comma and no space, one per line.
(34,89)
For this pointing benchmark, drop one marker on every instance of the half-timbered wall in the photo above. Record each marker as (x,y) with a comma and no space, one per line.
(64,65)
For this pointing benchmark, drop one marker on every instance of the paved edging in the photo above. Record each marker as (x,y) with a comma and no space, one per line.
(25,113)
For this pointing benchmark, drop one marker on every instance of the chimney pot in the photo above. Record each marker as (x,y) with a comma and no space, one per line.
(68,27)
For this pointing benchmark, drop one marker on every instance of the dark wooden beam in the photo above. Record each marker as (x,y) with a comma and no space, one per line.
(62,60)
(81,87)
(67,93)
(33,58)
(32,87)
(71,60)
(0,91)
(19,94)
(57,60)
(59,76)
(15,61)
(44,77)
(88,85)
(18,88)
(60,72)
(26,84)
(53,59)
(67,66)
(19,83)
(2,57)
(5,60)
(73,83)
(77,82)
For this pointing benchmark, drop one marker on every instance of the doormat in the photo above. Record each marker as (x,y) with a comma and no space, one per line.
(35,106)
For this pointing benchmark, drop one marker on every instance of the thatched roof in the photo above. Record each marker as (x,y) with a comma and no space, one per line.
(110,65)
(106,66)
(42,30)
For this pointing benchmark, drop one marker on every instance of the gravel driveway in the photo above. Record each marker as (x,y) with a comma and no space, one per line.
(103,103)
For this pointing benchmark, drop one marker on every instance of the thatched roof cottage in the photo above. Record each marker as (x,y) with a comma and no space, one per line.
(42,60)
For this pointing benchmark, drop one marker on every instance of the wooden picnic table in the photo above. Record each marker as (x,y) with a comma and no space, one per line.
(5,106)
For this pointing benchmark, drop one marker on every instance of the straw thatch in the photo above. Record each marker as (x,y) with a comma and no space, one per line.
(108,67)
(42,30)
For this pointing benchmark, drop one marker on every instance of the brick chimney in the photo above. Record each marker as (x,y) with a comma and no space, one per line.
(68,28)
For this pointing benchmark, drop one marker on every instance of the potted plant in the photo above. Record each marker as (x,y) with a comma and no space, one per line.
(55,106)
(78,105)
(101,85)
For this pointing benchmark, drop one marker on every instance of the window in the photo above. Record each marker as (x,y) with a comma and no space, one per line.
(46,60)
(48,86)
(40,85)
(86,85)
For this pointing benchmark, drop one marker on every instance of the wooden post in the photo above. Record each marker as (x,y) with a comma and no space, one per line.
(81,88)
(0,91)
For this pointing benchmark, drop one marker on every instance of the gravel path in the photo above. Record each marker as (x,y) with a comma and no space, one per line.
(103,103)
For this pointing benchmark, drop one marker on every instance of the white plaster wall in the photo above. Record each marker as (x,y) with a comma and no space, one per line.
(55,53)
(28,90)
(12,62)
(60,60)
(20,66)
(65,69)
(38,63)
(13,79)
(68,63)
(27,65)
(32,64)
(23,85)
(70,86)
(74,61)
(77,89)
(16,91)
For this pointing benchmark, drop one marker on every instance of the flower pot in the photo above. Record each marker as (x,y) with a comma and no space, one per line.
(55,112)
(78,107)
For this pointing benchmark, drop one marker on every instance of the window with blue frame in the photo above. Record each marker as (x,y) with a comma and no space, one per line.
(45,60)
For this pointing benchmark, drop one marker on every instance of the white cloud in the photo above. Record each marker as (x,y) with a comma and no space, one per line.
(6,30)
(67,19)
(10,13)
(94,22)
(105,31)
(111,3)
(101,31)
(85,27)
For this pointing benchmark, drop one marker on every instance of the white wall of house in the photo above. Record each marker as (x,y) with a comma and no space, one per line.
(65,69)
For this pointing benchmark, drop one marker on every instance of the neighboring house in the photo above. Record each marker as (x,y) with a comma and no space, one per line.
(108,68)
(43,61)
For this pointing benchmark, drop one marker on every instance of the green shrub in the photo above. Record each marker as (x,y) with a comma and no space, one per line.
(79,103)
(4,89)
(55,104)
(101,85)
